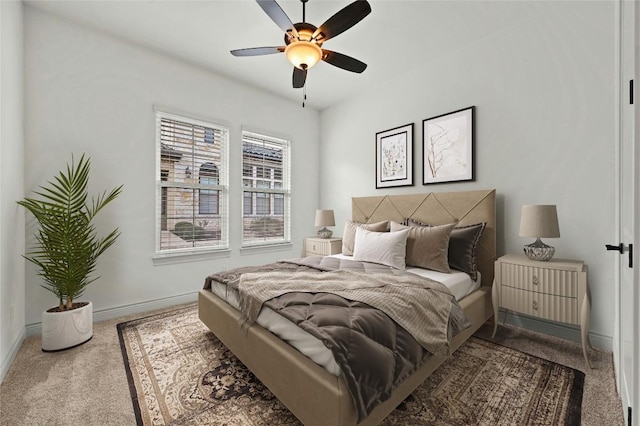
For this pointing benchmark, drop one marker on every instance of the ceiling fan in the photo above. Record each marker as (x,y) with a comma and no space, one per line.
(303,41)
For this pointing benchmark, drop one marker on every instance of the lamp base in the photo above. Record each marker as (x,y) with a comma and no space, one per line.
(539,251)
(325,233)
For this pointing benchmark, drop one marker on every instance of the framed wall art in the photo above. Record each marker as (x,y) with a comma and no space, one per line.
(448,145)
(394,157)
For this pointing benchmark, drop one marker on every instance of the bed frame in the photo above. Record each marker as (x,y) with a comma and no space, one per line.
(317,397)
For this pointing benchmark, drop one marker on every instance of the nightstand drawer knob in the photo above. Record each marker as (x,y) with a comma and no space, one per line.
(535,280)
(314,247)
(535,305)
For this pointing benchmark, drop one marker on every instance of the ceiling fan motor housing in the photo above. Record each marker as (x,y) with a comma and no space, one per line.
(305,31)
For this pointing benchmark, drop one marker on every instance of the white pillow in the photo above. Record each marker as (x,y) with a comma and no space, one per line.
(349,233)
(386,248)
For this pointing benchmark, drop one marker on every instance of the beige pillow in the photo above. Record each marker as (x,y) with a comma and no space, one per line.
(463,247)
(385,248)
(427,246)
(349,234)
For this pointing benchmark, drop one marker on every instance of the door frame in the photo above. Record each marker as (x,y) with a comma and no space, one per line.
(622,101)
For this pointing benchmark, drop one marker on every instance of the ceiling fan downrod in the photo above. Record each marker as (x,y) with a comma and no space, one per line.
(304,10)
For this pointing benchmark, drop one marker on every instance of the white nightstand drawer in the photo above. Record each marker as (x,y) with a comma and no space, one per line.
(541,280)
(562,309)
(322,246)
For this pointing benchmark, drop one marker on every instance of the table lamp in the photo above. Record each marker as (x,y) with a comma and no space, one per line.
(539,221)
(325,218)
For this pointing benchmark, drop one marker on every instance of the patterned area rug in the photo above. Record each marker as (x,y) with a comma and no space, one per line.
(181,374)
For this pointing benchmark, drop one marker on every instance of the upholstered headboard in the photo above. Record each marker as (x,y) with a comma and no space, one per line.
(437,208)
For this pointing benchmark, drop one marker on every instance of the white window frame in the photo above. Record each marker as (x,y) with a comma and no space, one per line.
(271,191)
(222,187)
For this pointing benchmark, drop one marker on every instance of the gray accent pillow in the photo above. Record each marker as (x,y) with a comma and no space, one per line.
(427,246)
(463,245)
(349,234)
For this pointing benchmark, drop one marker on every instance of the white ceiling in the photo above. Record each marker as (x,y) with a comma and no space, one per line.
(396,36)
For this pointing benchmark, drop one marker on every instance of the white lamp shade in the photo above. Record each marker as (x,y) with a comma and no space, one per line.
(539,221)
(325,218)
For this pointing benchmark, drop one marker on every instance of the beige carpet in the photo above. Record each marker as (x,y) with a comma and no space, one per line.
(88,385)
(180,373)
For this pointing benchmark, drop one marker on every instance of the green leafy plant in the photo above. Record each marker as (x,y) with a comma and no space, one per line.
(67,245)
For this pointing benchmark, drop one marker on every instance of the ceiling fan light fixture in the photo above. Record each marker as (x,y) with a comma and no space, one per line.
(303,54)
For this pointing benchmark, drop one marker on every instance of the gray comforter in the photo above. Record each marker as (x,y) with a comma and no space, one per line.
(381,324)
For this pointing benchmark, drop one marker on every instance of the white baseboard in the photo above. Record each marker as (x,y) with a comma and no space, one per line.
(132,309)
(8,360)
(564,331)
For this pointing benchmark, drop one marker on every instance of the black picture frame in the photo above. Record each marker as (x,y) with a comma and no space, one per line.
(394,157)
(448,147)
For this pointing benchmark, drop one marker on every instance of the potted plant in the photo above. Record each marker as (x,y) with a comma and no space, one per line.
(66,251)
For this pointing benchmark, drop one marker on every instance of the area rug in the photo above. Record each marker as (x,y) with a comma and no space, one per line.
(181,374)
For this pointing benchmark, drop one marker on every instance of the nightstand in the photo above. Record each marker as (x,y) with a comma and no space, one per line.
(556,290)
(314,246)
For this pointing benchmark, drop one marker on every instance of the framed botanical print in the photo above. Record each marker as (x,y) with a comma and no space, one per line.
(394,157)
(447,142)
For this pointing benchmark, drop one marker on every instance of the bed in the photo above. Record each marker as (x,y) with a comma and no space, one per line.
(313,394)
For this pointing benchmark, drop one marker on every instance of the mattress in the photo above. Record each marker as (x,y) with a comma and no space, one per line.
(459,283)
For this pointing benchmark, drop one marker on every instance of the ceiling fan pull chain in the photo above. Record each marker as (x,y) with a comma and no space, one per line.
(304,94)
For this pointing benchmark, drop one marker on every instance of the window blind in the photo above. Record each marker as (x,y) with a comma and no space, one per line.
(192,184)
(266,165)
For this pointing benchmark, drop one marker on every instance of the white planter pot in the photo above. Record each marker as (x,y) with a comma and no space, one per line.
(63,330)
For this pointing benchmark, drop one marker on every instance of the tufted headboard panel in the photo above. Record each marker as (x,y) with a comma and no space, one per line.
(437,208)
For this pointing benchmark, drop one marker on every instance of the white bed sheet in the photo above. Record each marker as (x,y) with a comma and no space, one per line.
(459,283)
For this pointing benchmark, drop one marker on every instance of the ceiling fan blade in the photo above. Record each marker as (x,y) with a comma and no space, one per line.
(257,51)
(299,77)
(342,20)
(277,15)
(343,61)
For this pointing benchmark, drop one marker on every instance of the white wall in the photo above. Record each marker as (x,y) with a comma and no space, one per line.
(89,92)
(544,91)
(12,293)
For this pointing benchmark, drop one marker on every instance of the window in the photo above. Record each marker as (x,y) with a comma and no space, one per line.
(191,175)
(267,190)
